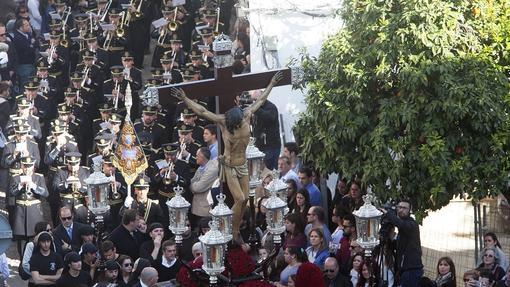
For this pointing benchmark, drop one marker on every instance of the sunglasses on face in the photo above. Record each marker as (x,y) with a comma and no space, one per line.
(66,218)
(329,271)
(128,264)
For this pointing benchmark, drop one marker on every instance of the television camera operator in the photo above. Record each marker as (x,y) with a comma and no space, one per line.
(408,264)
(266,128)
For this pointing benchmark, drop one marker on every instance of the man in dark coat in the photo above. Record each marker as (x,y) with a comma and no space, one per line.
(124,237)
(67,234)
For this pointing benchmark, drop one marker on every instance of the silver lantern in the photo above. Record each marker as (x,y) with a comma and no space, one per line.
(178,208)
(368,220)
(222,47)
(213,248)
(97,191)
(278,185)
(275,215)
(255,164)
(223,215)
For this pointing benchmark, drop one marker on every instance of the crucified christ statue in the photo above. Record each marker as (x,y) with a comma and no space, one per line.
(235,131)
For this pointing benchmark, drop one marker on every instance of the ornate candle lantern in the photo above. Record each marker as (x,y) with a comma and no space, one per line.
(255,164)
(97,191)
(213,246)
(278,185)
(368,220)
(222,47)
(178,211)
(223,215)
(275,215)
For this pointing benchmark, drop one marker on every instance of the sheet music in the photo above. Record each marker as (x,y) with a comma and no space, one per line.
(162,164)
(178,3)
(160,22)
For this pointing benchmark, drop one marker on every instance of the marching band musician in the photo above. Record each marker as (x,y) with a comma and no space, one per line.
(189,119)
(112,129)
(101,11)
(39,104)
(58,58)
(116,87)
(188,146)
(101,123)
(116,192)
(69,184)
(133,76)
(73,105)
(64,120)
(114,41)
(102,149)
(205,45)
(171,75)
(101,55)
(93,81)
(84,96)
(57,145)
(209,19)
(163,36)
(25,114)
(171,172)
(137,29)
(148,209)
(27,188)
(149,129)
(48,84)
(77,34)
(20,146)
(186,25)
(198,65)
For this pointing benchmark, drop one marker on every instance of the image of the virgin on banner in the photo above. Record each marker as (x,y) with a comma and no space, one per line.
(129,157)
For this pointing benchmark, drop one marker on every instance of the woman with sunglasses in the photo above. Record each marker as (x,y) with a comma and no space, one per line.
(126,268)
(490,239)
(490,262)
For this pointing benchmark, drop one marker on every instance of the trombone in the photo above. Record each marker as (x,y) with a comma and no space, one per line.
(167,180)
(123,21)
(106,8)
(216,29)
(64,41)
(173,25)
(138,12)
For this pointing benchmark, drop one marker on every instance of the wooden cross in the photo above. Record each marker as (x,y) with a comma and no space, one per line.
(225,86)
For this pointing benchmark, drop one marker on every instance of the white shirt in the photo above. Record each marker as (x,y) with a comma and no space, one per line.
(167,263)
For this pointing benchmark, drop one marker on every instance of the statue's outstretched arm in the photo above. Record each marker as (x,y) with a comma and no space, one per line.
(260,101)
(196,107)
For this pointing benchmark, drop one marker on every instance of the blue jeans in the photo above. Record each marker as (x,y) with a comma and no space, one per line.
(271,157)
(410,278)
(24,72)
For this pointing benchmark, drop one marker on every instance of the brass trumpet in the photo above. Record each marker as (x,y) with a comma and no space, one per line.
(166,179)
(115,193)
(73,181)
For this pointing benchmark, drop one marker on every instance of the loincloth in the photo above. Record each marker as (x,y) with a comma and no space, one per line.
(237,171)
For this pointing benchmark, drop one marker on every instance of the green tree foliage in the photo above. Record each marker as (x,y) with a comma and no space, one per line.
(413,96)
